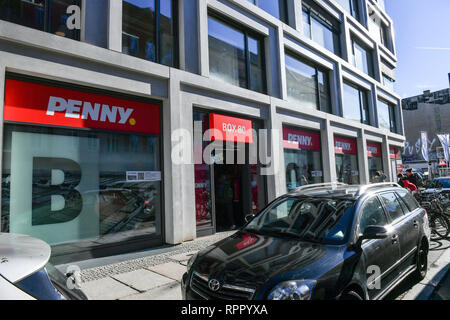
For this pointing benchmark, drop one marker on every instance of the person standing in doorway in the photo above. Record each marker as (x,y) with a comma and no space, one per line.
(225,194)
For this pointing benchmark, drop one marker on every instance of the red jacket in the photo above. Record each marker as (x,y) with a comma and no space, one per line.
(408,185)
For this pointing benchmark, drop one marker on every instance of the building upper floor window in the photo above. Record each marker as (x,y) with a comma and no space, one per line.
(379,30)
(321,28)
(45,15)
(236,56)
(362,58)
(307,84)
(388,82)
(351,6)
(386,116)
(355,104)
(277,8)
(149,30)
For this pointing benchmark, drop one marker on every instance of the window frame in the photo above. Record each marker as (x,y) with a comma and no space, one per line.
(157,33)
(247,33)
(369,57)
(363,99)
(48,17)
(312,14)
(392,115)
(317,69)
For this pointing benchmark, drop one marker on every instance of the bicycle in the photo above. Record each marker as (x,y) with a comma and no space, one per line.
(437,206)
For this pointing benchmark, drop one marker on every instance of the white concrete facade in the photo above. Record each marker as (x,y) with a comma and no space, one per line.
(97,62)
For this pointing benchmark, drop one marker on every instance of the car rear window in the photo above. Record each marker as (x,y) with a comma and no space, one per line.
(409,200)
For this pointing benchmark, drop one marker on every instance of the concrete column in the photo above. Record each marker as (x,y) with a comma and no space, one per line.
(202,29)
(328,156)
(276,184)
(386,159)
(363,161)
(115,25)
(178,178)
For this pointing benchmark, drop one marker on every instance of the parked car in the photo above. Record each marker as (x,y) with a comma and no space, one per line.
(327,241)
(25,273)
(441,184)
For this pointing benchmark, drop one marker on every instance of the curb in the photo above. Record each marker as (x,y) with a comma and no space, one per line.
(435,274)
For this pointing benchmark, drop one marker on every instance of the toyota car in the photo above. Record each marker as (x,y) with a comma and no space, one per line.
(327,241)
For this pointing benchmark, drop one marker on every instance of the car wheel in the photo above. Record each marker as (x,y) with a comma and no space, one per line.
(351,295)
(421,262)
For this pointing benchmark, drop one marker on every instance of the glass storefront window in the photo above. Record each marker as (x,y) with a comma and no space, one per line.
(65,186)
(355,104)
(375,160)
(149,30)
(321,30)
(307,85)
(235,56)
(302,158)
(45,15)
(346,160)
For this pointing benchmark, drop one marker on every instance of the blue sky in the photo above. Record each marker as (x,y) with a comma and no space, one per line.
(422,32)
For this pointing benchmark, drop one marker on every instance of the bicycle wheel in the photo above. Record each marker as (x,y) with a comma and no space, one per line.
(440,226)
(446,210)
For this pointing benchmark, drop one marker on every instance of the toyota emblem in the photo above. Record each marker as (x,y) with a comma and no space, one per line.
(214,285)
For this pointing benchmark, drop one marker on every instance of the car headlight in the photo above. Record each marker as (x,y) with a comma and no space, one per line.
(191,262)
(293,290)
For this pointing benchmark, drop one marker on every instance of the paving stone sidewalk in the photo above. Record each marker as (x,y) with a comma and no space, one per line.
(154,277)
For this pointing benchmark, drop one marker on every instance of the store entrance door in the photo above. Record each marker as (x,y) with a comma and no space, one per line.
(236,192)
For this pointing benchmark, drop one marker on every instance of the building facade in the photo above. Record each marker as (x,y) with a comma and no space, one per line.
(428,112)
(98,97)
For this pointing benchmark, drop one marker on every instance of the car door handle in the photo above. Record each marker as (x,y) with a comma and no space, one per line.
(394,238)
(416,224)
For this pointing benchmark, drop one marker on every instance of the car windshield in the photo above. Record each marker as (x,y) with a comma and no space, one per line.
(440,183)
(311,219)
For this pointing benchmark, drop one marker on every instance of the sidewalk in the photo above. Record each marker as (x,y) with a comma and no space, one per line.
(150,277)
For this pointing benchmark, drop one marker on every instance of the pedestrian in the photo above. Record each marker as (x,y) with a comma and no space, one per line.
(400,178)
(414,178)
(379,176)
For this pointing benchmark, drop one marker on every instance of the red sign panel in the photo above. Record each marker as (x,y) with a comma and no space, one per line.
(344,145)
(373,149)
(227,128)
(248,241)
(298,139)
(37,103)
(393,153)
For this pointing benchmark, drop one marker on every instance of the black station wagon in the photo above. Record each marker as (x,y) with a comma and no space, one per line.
(326,241)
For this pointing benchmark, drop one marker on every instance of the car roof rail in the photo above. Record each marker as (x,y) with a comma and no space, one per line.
(376,185)
(320,185)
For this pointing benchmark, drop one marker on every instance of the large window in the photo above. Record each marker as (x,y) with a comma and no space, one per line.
(388,82)
(351,6)
(321,29)
(235,55)
(277,8)
(362,58)
(355,104)
(386,116)
(307,84)
(45,15)
(149,30)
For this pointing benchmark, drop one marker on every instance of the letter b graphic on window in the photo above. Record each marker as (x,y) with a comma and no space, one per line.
(55,199)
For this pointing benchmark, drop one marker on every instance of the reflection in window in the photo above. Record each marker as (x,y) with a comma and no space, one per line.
(277,8)
(355,104)
(302,167)
(351,6)
(148,30)
(320,29)
(235,56)
(362,58)
(45,15)
(307,84)
(386,116)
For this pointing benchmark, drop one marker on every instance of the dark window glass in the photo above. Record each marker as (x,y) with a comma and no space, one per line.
(45,15)
(392,205)
(347,168)
(235,57)
(375,164)
(302,167)
(148,30)
(355,104)
(307,85)
(372,214)
(277,8)
(321,30)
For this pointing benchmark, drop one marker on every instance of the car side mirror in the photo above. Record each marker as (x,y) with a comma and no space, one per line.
(249,217)
(374,232)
